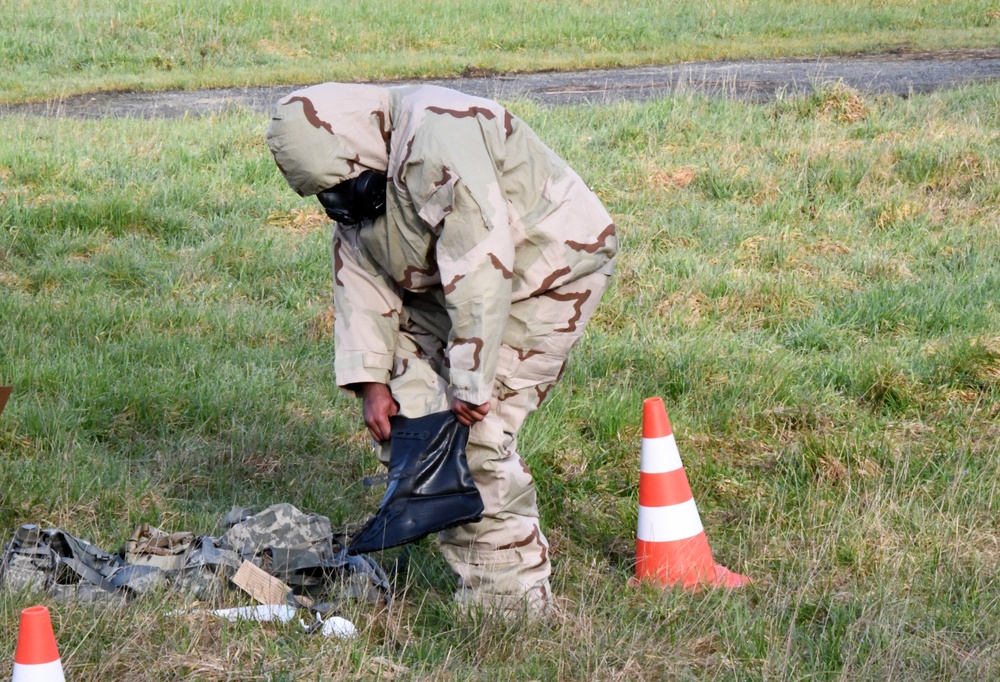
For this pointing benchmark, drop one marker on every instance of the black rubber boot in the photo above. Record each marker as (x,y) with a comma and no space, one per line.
(430,485)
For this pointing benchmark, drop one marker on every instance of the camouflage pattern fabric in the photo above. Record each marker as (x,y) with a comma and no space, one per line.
(28,564)
(294,546)
(67,567)
(504,557)
(475,284)
(151,546)
(280,525)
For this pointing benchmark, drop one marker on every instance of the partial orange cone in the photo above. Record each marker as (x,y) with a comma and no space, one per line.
(671,546)
(37,657)
(5,392)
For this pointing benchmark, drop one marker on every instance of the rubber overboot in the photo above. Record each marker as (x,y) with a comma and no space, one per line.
(430,485)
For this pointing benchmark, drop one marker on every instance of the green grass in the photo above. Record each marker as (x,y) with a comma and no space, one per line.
(59,49)
(810,285)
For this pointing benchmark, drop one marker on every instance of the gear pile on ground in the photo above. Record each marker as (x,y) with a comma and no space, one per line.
(296,547)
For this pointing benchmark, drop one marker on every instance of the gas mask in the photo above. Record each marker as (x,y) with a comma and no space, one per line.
(356,200)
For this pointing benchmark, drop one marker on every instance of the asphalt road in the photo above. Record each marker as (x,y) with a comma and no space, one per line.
(900,74)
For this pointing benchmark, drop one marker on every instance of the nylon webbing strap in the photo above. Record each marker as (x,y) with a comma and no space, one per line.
(89,574)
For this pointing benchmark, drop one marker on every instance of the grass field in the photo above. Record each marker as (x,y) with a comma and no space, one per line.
(810,285)
(57,49)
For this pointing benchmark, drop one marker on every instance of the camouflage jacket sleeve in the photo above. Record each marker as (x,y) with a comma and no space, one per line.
(456,190)
(367,306)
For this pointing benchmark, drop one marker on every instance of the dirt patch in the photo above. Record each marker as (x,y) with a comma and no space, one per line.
(899,73)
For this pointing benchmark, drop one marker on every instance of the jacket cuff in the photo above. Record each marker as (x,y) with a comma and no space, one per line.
(469,387)
(358,368)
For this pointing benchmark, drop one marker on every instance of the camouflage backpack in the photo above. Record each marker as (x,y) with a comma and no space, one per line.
(55,562)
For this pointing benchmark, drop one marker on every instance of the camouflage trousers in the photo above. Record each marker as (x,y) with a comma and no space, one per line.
(502,560)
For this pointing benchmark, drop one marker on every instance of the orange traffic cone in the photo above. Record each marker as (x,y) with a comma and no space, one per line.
(36,658)
(671,547)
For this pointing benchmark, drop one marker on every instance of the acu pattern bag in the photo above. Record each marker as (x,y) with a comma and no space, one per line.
(57,563)
(296,547)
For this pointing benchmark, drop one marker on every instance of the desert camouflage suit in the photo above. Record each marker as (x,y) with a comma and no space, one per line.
(475,285)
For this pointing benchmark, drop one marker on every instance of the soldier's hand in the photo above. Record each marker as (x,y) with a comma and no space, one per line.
(377,406)
(468,414)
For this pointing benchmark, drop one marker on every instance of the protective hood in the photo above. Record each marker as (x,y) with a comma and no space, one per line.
(325,134)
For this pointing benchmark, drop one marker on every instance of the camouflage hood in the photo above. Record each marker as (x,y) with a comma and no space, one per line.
(328,133)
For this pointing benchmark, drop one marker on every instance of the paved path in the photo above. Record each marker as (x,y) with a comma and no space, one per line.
(756,81)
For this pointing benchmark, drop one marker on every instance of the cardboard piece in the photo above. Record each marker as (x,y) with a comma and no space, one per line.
(260,584)
(263,586)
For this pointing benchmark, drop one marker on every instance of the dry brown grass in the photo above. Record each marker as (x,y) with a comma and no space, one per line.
(843,104)
(300,220)
(321,326)
(676,178)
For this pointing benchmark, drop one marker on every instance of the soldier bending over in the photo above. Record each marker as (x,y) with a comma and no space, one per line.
(468,258)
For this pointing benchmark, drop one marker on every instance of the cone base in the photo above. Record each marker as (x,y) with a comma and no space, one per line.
(729,579)
(687,563)
(720,577)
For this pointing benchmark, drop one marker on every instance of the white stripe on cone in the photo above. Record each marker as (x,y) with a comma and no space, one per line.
(40,672)
(659,455)
(669,524)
